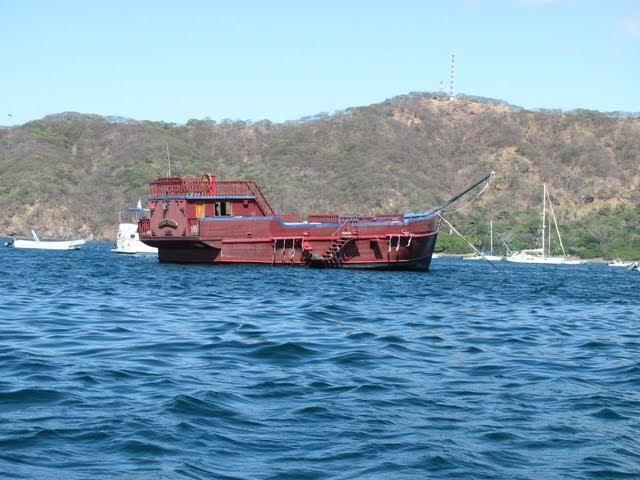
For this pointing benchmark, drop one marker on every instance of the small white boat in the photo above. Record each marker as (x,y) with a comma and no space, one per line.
(543,254)
(486,255)
(620,263)
(573,261)
(36,243)
(128,240)
(538,256)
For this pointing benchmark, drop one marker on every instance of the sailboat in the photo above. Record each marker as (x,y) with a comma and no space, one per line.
(486,255)
(543,254)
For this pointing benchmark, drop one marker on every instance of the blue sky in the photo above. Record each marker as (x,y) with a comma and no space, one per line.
(282,60)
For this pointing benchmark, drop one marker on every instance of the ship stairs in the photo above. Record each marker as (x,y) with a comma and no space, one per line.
(336,254)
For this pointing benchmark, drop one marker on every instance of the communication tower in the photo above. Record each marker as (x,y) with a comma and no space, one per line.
(452,89)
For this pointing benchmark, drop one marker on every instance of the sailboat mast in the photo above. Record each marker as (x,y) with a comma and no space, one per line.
(555,222)
(491,233)
(544,214)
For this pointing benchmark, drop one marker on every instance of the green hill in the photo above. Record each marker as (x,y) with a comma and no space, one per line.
(69,174)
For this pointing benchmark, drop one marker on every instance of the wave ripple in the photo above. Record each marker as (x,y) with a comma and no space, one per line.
(119,367)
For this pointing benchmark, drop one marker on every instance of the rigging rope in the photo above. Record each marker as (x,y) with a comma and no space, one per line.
(504,243)
(468,242)
(486,185)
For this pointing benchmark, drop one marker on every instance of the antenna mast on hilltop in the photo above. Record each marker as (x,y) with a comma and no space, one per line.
(168,158)
(452,89)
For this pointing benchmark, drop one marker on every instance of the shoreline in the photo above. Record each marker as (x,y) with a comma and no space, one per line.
(458,256)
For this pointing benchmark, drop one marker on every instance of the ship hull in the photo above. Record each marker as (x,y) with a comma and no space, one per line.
(397,245)
(196,256)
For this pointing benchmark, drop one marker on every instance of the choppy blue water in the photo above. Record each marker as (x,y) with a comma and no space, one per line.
(120,367)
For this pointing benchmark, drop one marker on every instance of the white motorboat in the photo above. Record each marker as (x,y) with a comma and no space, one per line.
(128,240)
(36,243)
(543,254)
(486,255)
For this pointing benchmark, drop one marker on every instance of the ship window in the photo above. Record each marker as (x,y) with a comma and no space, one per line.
(199,210)
(223,209)
(133,235)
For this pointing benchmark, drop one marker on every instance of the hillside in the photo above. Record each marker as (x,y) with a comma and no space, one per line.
(69,174)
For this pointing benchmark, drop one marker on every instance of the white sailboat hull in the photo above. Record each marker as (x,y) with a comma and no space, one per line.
(621,264)
(547,260)
(491,258)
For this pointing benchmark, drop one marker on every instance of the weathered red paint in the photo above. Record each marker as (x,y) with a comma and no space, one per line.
(210,221)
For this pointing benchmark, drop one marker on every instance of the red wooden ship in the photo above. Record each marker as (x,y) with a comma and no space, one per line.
(204,220)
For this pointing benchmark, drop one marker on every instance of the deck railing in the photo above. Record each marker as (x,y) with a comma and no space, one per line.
(260,198)
(174,186)
(177,186)
(355,218)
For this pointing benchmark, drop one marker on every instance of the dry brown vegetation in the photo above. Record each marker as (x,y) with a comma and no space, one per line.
(69,174)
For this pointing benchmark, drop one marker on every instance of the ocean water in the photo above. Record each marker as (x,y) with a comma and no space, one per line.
(123,368)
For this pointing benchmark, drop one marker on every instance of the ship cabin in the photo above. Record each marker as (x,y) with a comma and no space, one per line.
(209,197)
(186,201)
(196,198)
